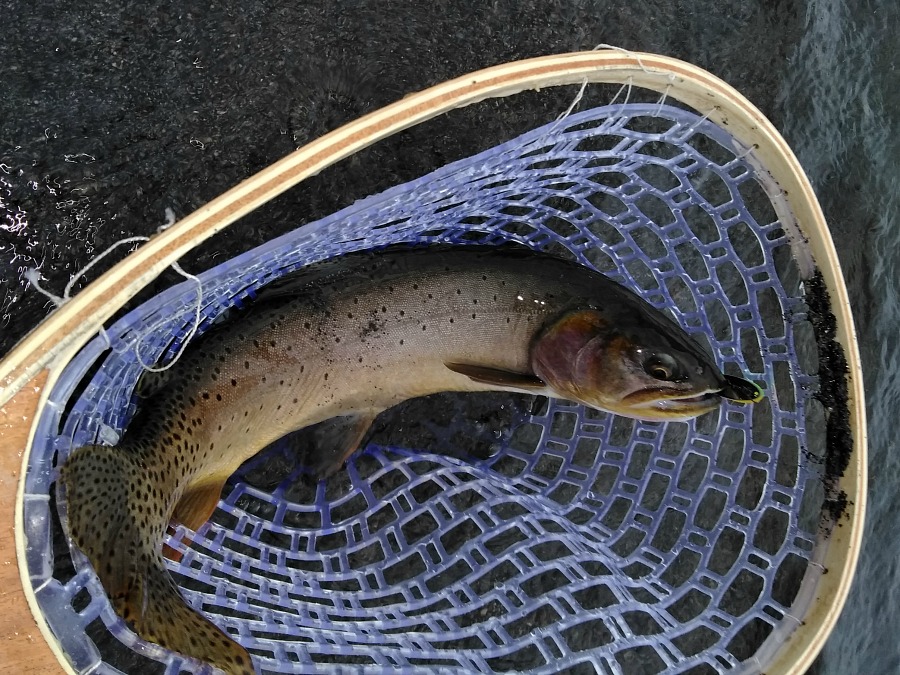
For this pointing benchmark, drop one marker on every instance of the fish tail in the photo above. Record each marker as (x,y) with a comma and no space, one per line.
(170,622)
(117,519)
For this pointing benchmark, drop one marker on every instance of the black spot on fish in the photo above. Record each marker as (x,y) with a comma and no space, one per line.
(306,325)
(233,382)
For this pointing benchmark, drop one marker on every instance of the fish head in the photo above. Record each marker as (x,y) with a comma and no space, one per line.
(632,361)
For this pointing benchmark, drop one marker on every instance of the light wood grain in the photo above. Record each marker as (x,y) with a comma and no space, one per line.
(21,641)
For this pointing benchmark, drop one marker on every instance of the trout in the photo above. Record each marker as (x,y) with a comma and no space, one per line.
(344,340)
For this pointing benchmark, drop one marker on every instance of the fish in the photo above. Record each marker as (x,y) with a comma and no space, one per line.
(341,341)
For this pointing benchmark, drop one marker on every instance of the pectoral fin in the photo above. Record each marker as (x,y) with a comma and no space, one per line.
(497,377)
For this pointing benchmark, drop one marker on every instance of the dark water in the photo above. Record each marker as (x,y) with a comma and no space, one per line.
(111,114)
(842,116)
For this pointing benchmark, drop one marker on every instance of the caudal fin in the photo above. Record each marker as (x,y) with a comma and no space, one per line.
(170,622)
(117,519)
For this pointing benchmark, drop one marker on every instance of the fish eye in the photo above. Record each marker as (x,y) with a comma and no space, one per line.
(661,366)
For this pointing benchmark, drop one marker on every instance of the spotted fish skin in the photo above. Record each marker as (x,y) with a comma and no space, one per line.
(348,337)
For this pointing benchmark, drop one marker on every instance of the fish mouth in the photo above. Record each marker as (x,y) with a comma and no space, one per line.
(735,389)
(664,398)
(668,405)
(693,405)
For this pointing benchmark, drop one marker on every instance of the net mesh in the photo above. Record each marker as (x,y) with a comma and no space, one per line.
(488,533)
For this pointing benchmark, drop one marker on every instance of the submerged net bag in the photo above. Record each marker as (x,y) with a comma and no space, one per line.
(489,533)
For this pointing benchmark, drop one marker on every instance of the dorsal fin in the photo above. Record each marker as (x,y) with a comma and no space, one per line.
(151,381)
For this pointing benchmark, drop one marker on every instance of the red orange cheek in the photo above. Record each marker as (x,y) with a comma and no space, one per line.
(556,350)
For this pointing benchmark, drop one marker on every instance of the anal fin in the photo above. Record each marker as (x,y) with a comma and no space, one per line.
(195,507)
(198,503)
(497,377)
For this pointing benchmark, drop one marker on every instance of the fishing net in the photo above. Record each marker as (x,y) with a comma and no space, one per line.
(488,533)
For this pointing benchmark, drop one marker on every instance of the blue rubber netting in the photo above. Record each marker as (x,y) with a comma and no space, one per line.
(580,542)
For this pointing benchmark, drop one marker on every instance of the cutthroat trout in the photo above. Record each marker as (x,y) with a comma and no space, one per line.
(346,339)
